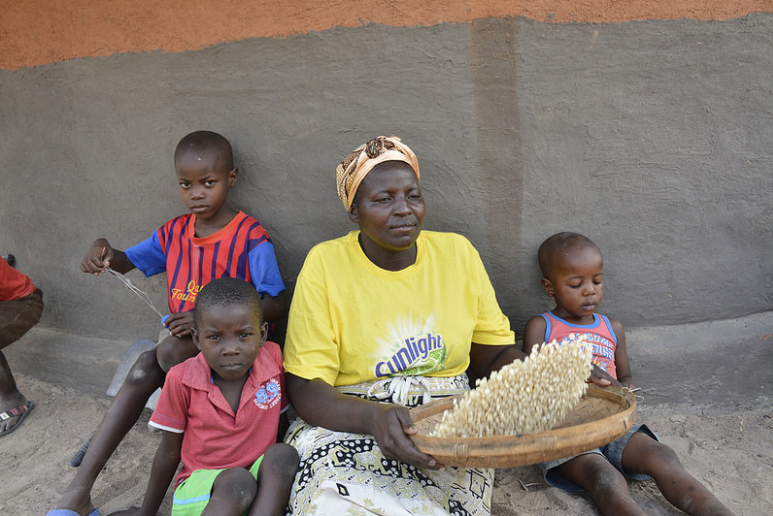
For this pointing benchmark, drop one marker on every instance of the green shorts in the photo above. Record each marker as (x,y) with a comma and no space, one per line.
(192,495)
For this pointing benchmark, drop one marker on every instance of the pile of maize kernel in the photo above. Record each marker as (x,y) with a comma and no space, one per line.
(526,396)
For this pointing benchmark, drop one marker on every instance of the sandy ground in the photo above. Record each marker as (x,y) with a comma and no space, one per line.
(731,453)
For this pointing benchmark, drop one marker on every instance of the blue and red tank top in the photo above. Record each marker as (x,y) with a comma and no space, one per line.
(599,334)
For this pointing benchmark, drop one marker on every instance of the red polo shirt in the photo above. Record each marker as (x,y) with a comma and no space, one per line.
(215,437)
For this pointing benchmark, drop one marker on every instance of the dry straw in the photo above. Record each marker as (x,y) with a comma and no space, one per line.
(526,396)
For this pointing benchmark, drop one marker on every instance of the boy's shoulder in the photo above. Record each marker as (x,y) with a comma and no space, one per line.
(536,319)
(239,220)
(615,324)
(193,372)
(242,228)
(270,354)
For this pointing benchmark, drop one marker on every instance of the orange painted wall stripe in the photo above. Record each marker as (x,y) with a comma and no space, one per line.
(37,32)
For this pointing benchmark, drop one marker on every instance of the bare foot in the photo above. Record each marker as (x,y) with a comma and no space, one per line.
(76,501)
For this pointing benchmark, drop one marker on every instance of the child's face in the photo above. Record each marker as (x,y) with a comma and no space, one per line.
(577,284)
(230,337)
(205,181)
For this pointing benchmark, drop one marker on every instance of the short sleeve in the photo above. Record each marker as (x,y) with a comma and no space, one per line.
(171,412)
(148,256)
(277,356)
(310,348)
(493,327)
(264,270)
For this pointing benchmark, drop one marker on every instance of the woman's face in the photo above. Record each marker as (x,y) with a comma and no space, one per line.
(389,208)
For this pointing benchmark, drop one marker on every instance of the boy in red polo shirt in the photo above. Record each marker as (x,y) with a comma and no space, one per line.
(21,304)
(222,413)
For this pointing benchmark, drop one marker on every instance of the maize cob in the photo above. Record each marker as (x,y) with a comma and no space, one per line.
(531,395)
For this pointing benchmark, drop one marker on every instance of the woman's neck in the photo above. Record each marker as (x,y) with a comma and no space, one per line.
(386,259)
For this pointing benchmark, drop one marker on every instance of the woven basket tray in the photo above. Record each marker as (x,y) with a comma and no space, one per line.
(602,415)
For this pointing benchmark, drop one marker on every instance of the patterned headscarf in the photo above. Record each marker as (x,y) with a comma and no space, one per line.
(353,169)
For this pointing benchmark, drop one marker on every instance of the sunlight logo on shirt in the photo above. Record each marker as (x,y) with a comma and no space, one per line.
(268,395)
(410,346)
(418,355)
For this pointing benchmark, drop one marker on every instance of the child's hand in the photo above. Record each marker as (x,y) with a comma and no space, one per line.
(600,377)
(180,324)
(627,382)
(98,257)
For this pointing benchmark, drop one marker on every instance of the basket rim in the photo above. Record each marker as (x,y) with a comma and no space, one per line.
(469,450)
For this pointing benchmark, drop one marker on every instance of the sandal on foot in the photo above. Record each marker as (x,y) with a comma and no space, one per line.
(21,412)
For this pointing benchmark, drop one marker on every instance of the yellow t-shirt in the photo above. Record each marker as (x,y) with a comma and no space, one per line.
(351,321)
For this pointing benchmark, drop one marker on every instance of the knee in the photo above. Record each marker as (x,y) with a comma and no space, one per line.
(282,460)
(173,350)
(659,457)
(605,480)
(144,368)
(237,486)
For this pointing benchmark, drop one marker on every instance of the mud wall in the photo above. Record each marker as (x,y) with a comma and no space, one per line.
(649,131)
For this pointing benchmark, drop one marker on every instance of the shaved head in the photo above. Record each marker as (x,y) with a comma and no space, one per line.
(555,248)
(227,291)
(205,143)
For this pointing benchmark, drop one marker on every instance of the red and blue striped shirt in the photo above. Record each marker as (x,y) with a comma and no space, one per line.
(242,249)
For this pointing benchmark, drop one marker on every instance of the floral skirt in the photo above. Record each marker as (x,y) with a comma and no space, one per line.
(346,474)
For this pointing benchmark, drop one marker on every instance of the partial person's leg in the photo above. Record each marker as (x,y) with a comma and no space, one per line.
(16,318)
(594,473)
(275,479)
(232,493)
(11,399)
(643,454)
(145,376)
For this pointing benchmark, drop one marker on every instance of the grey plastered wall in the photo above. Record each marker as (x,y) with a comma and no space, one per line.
(654,138)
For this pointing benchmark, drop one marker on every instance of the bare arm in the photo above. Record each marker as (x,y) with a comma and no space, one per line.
(284,424)
(622,364)
(165,464)
(274,308)
(486,359)
(321,404)
(101,254)
(534,333)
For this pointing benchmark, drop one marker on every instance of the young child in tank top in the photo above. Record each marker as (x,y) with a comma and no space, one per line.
(573,275)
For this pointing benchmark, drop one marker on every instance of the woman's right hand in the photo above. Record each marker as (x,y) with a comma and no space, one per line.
(320,404)
(97,257)
(391,428)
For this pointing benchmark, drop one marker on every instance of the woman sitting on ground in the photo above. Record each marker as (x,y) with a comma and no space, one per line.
(384,318)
